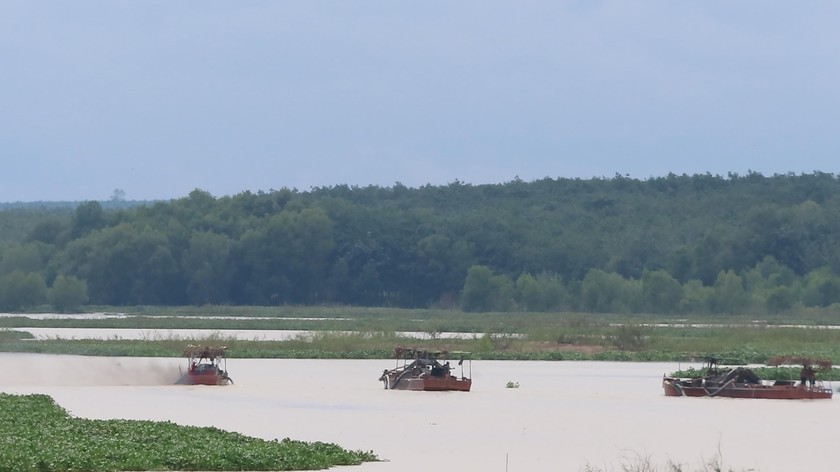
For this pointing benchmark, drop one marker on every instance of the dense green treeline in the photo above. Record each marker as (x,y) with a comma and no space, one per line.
(673,244)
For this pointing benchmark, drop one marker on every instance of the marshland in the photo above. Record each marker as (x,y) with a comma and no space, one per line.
(360,333)
(573,290)
(545,378)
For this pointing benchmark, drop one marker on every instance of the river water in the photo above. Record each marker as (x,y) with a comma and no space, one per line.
(562,417)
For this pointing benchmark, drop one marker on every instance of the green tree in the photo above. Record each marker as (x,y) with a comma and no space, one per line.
(21,291)
(287,258)
(442,263)
(207,268)
(24,258)
(780,299)
(697,298)
(821,288)
(729,294)
(125,265)
(89,217)
(47,231)
(545,292)
(681,264)
(607,292)
(528,293)
(483,291)
(67,294)
(767,274)
(712,254)
(412,247)
(661,293)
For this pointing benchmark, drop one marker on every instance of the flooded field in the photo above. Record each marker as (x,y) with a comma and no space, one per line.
(563,416)
(241,334)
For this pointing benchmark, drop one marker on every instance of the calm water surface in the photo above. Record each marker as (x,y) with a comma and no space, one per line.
(563,416)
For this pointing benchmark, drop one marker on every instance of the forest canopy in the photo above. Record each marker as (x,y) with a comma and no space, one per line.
(675,244)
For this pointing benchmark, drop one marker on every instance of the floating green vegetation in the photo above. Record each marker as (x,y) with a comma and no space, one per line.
(38,435)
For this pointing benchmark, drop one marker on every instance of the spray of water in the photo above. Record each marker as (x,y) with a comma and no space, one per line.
(51,370)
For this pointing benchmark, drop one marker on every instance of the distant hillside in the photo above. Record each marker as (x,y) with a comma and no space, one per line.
(685,243)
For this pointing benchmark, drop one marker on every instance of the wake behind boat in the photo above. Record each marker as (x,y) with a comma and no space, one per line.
(741,382)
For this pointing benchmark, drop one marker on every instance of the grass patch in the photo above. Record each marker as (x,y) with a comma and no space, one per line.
(366,333)
(7,335)
(636,462)
(38,435)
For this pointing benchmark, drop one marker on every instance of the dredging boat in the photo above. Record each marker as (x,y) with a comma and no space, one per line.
(419,369)
(741,382)
(206,365)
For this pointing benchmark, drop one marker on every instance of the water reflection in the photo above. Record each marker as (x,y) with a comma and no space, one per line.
(563,416)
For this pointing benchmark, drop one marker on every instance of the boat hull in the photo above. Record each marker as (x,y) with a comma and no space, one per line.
(204,374)
(204,379)
(430,384)
(440,385)
(688,388)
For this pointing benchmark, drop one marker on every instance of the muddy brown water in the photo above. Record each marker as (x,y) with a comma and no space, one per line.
(563,417)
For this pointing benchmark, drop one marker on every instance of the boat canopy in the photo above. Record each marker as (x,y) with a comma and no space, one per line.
(417,353)
(204,352)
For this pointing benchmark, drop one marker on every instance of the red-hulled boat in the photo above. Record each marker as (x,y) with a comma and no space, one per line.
(419,369)
(741,382)
(206,365)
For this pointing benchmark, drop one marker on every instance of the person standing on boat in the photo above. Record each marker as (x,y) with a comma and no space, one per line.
(807,375)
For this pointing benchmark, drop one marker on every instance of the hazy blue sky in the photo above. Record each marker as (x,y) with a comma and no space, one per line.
(159,97)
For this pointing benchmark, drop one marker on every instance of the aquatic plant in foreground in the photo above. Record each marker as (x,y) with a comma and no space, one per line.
(38,435)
